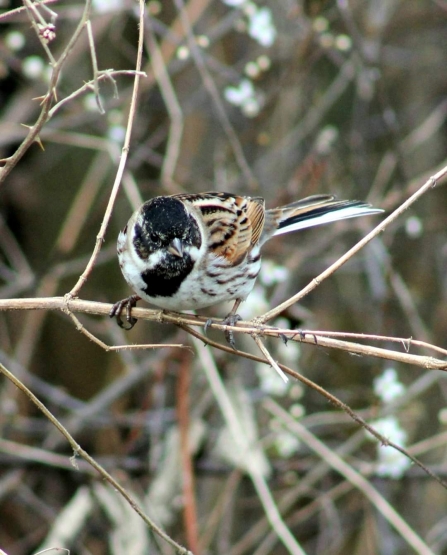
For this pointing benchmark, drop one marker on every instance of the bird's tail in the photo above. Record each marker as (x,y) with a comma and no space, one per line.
(317,210)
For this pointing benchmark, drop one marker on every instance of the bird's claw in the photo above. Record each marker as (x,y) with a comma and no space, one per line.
(117,309)
(231,320)
(207,325)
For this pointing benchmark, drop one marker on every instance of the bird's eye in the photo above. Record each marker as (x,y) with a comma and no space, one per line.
(153,237)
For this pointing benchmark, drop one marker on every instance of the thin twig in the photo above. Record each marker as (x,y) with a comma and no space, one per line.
(269,357)
(308,337)
(215,96)
(33,14)
(91,43)
(107,348)
(432,182)
(338,464)
(184,321)
(21,9)
(47,99)
(175,111)
(331,398)
(406,342)
(125,151)
(89,85)
(247,450)
(78,451)
(183,416)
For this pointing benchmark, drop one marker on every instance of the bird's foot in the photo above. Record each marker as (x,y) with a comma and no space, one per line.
(231,320)
(117,309)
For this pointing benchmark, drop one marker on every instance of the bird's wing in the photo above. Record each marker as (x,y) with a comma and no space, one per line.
(233,223)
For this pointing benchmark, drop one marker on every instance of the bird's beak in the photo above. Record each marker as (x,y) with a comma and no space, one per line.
(176,247)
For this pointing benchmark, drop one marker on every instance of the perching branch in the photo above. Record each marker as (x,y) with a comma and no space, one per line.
(308,337)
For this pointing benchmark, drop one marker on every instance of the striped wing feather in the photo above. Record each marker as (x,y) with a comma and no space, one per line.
(234,223)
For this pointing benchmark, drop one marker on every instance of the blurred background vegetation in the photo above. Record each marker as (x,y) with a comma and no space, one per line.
(278,99)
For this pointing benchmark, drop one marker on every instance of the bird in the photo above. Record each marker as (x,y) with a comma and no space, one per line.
(191,251)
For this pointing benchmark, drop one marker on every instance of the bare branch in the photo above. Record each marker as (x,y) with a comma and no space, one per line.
(47,101)
(307,337)
(78,451)
(432,182)
(125,151)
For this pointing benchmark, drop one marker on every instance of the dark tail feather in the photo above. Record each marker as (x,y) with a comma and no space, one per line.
(320,209)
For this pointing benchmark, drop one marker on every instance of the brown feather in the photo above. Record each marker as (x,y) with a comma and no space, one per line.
(256,215)
(234,223)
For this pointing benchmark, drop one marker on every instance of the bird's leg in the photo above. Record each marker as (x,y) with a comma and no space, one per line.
(207,325)
(230,320)
(118,308)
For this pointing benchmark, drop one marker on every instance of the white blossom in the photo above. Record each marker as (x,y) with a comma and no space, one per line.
(272,273)
(103,6)
(15,40)
(391,463)
(261,27)
(387,386)
(251,107)
(33,67)
(286,444)
(255,304)
(234,3)
(244,96)
(241,93)
(270,382)
(117,133)
(414,227)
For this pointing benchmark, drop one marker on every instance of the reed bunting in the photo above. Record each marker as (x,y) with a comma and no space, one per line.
(190,251)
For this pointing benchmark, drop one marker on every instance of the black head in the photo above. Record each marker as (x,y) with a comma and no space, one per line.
(162,221)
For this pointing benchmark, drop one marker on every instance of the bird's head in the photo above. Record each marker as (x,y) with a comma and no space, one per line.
(165,231)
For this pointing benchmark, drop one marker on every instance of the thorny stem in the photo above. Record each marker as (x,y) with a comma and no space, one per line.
(47,100)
